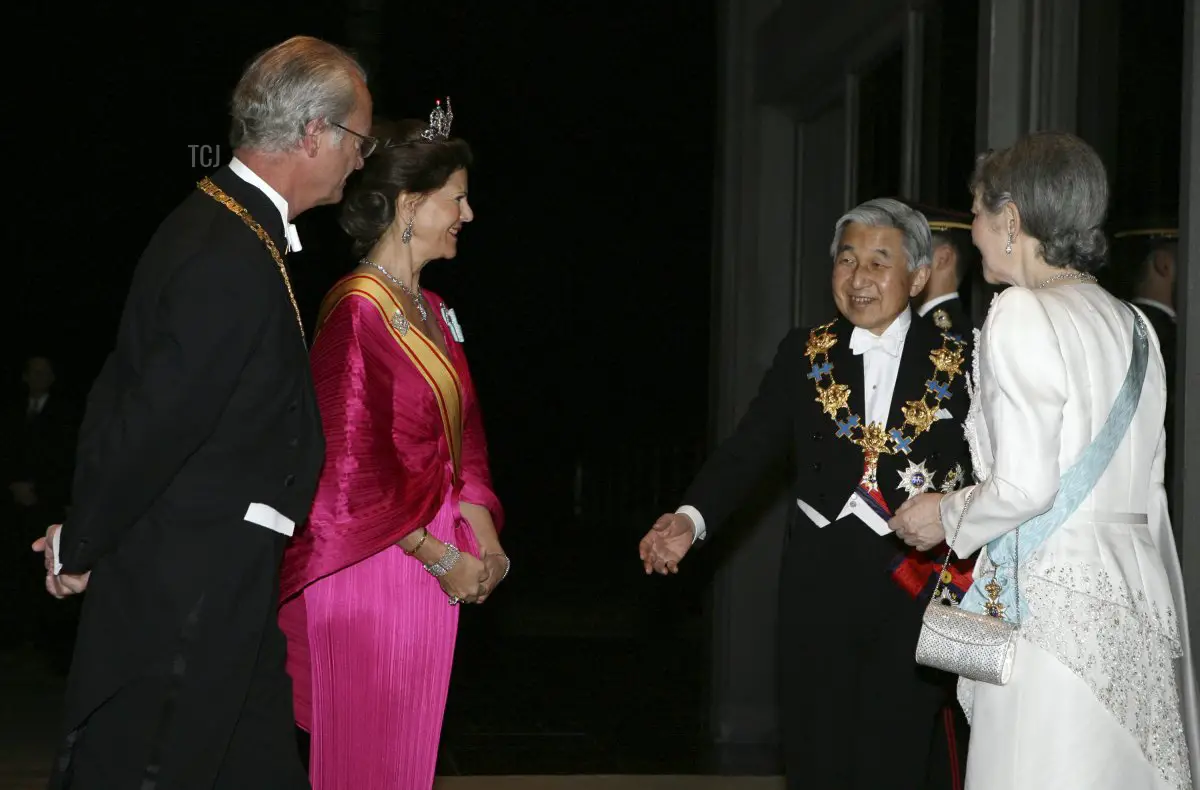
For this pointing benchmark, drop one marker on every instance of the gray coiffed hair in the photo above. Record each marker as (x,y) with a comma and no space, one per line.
(1060,187)
(289,85)
(891,213)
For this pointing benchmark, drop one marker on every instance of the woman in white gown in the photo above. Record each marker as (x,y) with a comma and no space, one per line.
(1102,692)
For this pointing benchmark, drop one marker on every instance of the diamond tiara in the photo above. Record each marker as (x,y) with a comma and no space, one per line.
(439,122)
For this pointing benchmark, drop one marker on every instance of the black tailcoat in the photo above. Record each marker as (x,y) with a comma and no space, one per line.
(857,711)
(205,406)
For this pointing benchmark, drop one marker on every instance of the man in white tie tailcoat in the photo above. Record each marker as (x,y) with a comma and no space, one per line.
(867,411)
(199,453)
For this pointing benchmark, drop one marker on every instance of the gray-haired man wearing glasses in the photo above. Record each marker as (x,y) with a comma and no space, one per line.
(199,454)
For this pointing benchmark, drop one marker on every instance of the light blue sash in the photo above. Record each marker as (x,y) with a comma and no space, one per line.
(1074,486)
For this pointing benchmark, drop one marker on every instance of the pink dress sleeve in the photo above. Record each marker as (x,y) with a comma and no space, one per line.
(476,475)
(384,476)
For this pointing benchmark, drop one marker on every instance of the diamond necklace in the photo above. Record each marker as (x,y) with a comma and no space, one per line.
(1069,275)
(418,300)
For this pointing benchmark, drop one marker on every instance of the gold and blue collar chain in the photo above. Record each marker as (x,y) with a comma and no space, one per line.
(875,439)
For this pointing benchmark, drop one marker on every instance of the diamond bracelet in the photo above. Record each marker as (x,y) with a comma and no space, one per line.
(446,563)
(507,563)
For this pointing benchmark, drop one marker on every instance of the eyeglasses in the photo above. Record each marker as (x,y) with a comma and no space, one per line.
(366,145)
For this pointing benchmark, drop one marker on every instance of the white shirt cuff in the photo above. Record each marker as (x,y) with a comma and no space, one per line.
(699,532)
(54,547)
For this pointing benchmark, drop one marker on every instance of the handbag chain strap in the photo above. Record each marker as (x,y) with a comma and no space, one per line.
(937,591)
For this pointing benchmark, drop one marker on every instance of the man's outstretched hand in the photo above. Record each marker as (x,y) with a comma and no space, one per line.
(666,543)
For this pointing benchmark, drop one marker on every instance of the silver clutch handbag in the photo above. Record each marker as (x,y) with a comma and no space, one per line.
(974,646)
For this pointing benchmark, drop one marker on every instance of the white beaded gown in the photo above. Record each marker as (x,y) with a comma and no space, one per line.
(1103,691)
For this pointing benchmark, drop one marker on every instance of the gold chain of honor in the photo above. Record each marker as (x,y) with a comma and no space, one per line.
(875,439)
(217,194)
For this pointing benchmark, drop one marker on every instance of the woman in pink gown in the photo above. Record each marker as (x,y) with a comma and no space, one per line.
(405,522)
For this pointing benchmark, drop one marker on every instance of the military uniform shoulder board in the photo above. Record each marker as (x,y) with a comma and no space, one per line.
(941,319)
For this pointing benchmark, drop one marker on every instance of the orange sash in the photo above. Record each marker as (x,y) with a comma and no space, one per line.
(429,360)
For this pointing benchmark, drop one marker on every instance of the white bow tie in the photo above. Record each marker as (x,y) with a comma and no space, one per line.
(293,238)
(862,341)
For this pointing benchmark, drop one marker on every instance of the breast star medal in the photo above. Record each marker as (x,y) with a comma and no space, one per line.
(953,480)
(941,319)
(400,322)
(916,479)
